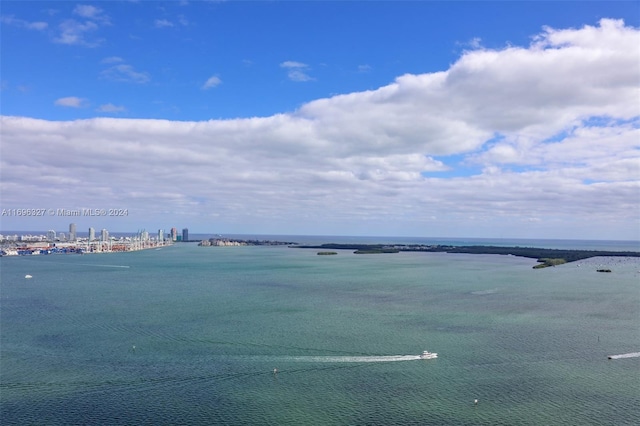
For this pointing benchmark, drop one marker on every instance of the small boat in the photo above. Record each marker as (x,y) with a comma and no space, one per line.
(28,276)
(428,355)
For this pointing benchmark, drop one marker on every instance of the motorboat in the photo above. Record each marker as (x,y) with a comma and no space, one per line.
(428,355)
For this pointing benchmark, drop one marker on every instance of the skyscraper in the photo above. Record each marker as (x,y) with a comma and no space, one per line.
(72,232)
(174,234)
(104,235)
(92,234)
(51,235)
(185,234)
(160,235)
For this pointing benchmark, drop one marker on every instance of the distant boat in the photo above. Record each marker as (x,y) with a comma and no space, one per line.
(629,355)
(428,355)
(28,276)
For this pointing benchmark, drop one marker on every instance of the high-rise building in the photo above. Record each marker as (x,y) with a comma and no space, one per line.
(72,232)
(51,235)
(185,234)
(174,234)
(92,234)
(160,235)
(104,235)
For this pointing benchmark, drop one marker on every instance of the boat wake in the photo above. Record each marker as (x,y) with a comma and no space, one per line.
(339,359)
(629,355)
(104,266)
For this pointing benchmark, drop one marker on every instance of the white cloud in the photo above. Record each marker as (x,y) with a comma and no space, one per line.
(125,73)
(11,20)
(296,71)
(37,25)
(211,82)
(293,64)
(541,140)
(163,23)
(71,101)
(111,108)
(91,12)
(299,75)
(73,32)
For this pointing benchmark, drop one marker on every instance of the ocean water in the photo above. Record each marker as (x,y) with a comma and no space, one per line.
(192,335)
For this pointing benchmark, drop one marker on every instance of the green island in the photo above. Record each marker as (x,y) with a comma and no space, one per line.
(546,257)
(549,262)
(327,253)
(377,251)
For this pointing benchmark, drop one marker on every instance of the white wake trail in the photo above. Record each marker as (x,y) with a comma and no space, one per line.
(104,266)
(629,355)
(337,359)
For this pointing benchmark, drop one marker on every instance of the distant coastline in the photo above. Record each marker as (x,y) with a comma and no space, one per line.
(565,251)
(227,242)
(545,257)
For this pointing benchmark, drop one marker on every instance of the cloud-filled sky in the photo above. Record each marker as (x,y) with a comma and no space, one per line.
(441,119)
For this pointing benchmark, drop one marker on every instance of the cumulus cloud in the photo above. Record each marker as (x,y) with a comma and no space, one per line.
(74,33)
(532,140)
(69,31)
(78,31)
(211,82)
(71,101)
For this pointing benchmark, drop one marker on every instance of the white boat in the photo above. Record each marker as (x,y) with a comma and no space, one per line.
(428,355)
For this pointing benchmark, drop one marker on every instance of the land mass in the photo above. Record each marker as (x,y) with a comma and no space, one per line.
(225,242)
(546,257)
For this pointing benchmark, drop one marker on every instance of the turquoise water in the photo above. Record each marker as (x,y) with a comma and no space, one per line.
(191,335)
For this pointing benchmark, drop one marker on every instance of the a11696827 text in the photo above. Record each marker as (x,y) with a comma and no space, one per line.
(61,212)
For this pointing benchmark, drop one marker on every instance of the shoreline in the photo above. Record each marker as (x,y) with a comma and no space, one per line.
(94,247)
(545,257)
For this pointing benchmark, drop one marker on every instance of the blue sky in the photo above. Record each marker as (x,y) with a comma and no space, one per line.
(362,118)
(170,50)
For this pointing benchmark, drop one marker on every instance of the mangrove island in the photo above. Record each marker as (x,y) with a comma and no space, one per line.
(546,257)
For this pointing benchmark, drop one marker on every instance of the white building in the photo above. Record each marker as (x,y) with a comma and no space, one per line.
(72,232)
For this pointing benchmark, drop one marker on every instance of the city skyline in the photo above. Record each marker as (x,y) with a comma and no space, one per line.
(427,119)
(73,234)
